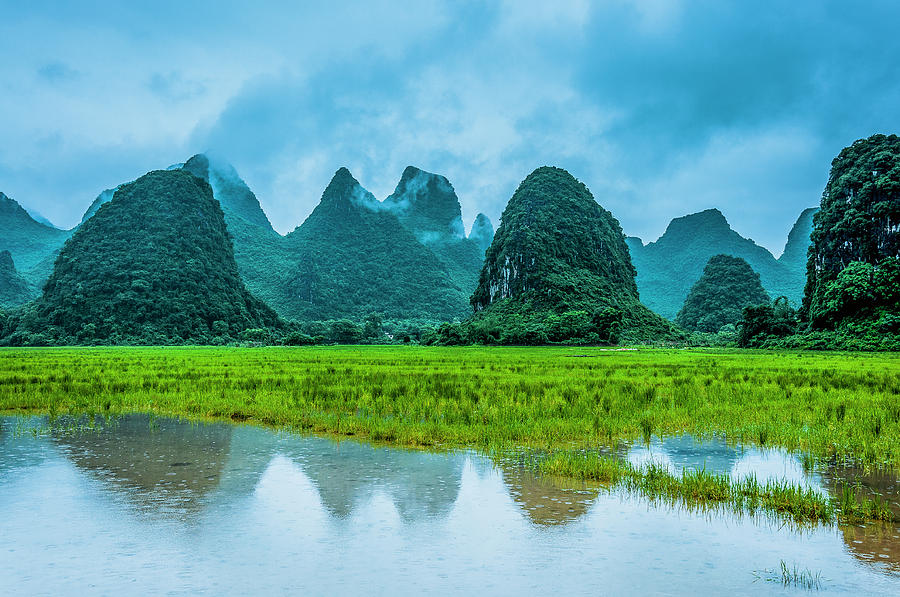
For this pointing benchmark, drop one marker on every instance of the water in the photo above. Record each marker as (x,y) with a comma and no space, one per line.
(167,507)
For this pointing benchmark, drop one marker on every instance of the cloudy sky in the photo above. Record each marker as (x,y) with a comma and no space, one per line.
(662,107)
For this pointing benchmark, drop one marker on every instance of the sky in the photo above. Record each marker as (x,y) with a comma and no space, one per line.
(661,107)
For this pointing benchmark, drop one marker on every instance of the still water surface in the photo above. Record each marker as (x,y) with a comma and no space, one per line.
(169,507)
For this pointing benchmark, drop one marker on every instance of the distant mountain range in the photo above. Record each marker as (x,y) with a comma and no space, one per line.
(669,267)
(407,257)
(31,244)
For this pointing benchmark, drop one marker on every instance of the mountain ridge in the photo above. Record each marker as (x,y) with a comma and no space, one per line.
(669,266)
(334,275)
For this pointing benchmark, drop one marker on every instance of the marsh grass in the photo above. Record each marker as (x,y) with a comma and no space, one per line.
(827,405)
(693,489)
(793,576)
(63,425)
(855,505)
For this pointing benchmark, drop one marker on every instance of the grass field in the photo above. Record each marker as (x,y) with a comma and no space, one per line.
(824,404)
(844,405)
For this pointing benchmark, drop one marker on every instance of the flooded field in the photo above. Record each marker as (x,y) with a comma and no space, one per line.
(164,506)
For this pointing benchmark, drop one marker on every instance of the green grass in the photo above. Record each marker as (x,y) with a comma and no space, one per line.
(829,405)
(796,577)
(702,490)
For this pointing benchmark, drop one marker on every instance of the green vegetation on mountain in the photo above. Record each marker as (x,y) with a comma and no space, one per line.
(353,257)
(154,265)
(557,270)
(482,232)
(30,242)
(854,264)
(259,251)
(669,267)
(418,229)
(728,284)
(14,289)
(232,193)
(427,206)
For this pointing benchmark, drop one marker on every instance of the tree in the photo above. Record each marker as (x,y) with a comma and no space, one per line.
(607,323)
(372,325)
(345,331)
(759,323)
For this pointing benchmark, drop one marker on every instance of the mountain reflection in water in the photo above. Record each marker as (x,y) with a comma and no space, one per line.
(250,481)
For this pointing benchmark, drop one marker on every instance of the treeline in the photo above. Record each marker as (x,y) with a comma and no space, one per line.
(374,329)
(858,310)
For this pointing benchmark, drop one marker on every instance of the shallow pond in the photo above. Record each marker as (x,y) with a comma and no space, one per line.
(155,506)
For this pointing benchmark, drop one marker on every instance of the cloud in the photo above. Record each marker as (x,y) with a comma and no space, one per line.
(57,72)
(662,107)
(174,86)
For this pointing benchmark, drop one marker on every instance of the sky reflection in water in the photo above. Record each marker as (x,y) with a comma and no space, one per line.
(182,508)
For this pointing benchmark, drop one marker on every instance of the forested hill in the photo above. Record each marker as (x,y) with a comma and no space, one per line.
(795,251)
(30,243)
(854,263)
(559,261)
(728,284)
(406,257)
(427,205)
(667,268)
(258,250)
(237,200)
(353,256)
(153,265)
